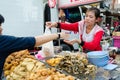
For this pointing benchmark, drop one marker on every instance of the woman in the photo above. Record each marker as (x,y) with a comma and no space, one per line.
(10,44)
(89,32)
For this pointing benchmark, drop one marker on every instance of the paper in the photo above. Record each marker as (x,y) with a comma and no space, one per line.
(110,66)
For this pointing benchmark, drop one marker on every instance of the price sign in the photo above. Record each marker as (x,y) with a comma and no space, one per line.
(52,3)
(72,3)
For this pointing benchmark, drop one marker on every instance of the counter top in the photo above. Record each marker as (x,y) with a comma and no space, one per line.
(103,74)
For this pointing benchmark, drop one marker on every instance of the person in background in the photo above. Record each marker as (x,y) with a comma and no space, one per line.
(99,20)
(62,16)
(90,32)
(10,44)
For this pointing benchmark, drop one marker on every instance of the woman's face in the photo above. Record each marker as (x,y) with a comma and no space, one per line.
(1,29)
(90,18)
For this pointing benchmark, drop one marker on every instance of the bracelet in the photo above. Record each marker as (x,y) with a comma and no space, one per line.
(58,36)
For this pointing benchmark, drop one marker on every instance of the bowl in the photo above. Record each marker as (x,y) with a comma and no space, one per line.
(98,58)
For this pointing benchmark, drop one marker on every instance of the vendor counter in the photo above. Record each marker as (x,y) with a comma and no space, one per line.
(103,74)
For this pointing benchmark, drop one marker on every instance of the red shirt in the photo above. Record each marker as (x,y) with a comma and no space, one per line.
(93,45)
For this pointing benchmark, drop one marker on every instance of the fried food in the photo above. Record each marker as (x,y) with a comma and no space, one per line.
(15,59)
(53,61)
(26,67)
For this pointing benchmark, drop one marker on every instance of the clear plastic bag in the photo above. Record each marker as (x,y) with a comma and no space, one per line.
(48,48)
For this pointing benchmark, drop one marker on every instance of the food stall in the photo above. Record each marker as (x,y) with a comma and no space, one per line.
(66,65)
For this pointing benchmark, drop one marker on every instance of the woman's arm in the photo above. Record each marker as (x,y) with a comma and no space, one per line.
(66,26)
(69,26)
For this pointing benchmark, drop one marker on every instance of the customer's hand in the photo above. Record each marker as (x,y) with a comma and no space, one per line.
(71,42)
(51,24)
(64,35)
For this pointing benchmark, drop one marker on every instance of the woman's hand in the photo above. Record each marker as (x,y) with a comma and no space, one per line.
(71,42)
(51,24)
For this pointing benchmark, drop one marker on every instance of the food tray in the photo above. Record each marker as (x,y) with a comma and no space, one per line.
(77,77)
(48,66)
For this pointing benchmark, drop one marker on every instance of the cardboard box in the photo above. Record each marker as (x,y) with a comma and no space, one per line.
(116,34)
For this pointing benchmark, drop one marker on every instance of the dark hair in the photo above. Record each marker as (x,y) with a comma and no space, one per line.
(1,19)
(95,10)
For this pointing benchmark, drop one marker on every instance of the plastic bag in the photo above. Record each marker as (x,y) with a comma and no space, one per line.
(48,48)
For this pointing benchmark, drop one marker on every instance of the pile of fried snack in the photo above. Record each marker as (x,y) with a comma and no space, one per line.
(23,66)
(74,64)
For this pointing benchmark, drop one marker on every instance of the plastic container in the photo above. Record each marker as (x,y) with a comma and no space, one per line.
(98,58)
(116,41)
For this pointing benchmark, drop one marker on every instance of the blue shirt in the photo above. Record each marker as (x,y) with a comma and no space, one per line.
(9,44)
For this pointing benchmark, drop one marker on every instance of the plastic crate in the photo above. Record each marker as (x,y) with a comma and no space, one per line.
(116,41)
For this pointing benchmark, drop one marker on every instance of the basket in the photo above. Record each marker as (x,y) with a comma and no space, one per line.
(116,41)
(98,58)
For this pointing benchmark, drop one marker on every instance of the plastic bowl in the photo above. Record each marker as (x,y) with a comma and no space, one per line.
(98,58)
